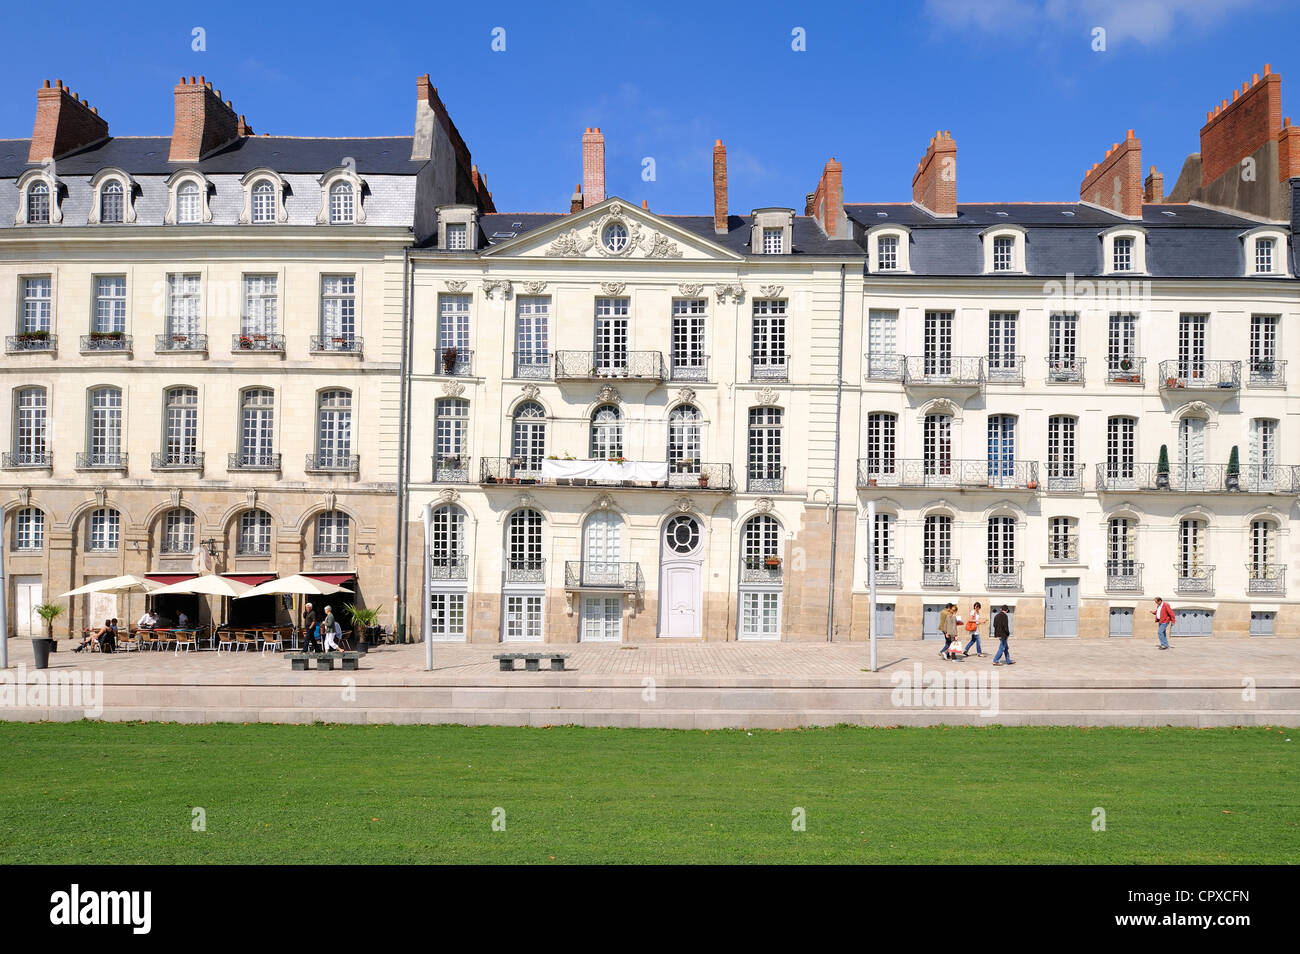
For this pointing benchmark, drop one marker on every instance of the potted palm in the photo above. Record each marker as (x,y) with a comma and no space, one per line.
(42,647)
(1233,480)
(366,622)
(1162,468)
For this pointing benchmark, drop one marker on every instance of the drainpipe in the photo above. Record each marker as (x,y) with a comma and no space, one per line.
(403,437)
(835,491)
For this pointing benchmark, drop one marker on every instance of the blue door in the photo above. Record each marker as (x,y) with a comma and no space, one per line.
(930,621)
(1061,608)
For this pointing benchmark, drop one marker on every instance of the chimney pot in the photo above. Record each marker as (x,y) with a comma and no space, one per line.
(645,204)
(593,167)
(47,84)
(1267,69)
(934,184)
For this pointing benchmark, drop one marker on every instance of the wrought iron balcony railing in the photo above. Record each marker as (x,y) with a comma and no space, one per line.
(253,549)
(451,469)
(22,460)
(943,371)
(256,342)
(99,460)
(1267,373)
(682,475)
(455,362)
(1184,478)
(1126,371)
(533,364)
(609,363)
(1063,549)
(688,368)
(329,549)
(769,367)
(330,463)
(1266,578)
(888,572)
(1267,478)
(31,341)
(525,571)
(945,472)
(936,572)
(264,462)
(448,566)
(176,460)
(180,342)
(884,367)
(1123,576)
(1064,477)
(105,341)
(1005,370)
(760,570)
(1194,579)
(764,479)
(1006,576)
(599,575)
(336,344)
(1065,370)
(1197,375)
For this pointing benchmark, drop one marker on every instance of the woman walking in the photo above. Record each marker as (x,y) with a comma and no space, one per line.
(973,627)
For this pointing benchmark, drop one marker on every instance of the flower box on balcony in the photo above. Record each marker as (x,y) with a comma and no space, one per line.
(772,561)
(245,342)
(34,336)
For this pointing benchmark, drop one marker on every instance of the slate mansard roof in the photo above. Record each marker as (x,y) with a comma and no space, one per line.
(1063,238)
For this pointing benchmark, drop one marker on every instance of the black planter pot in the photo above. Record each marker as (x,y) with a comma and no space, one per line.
(41,649)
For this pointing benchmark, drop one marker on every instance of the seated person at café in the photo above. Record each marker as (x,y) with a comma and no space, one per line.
(108,641)
(182,620)
(92,637)
(147,621)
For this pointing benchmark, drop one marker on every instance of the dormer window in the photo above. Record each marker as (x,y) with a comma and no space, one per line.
(1124,251)
(887,249)
(887,253)
(772,232)
(457,227)
(112,192)
(1004,249)
(38,199)
(342,198)
(38,204)
(264,202)
(773,243)
(110,203)
(188,204)
(457,239)
(1266,252)
(264,192)
(341,204)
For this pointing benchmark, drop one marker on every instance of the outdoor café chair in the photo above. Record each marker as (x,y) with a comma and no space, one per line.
(244,639)
(129,642)
(225,640)
(163,638)
(271,640)
(187,638)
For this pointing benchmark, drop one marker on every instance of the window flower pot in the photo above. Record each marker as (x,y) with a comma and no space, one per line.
(704,482)
(1032,485)
(772,561)
(1170,382)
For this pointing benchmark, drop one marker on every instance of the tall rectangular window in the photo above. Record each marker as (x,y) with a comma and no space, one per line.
(1264,472)
(1062,540)
(260,306)
(104,526)
(1002,545)
(181,423)
(938,343)
(37,305)
(457,236)
(257,428)
(29,529)
(882,545)
(1002,448)
(764,462)
(937,446)
(184,298)
(1121,552)
(882,344)
(881,446)
(338,308)
(936,544)
(1060,447)
(887,253)
(612,317)
(532,337)
(688,338)
(1264,249)
(450,429)
(334,429)
(1002,343)
(1120,444)
(1264,366)
(1121,346)
(105,437)
(768,350)
(30,427)
(1063,345)
(523,622)
(453,333)
(1123,255)
(1004,250)
(773,241)
(760,615)
(110,304)
(1191,345)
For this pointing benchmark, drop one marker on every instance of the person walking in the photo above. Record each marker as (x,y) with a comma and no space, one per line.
(943,628)
(1002,632)
(310,629)
(331,631)
(973,627)
(953,640)
(1164,614)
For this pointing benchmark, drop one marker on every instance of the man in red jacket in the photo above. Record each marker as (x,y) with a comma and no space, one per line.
(1164,614)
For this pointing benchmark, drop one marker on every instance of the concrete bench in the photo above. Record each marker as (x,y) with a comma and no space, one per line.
(299,662)
(532,661)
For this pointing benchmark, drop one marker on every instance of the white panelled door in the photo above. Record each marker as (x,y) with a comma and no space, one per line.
(680,572)
(1191,451)
(27,596)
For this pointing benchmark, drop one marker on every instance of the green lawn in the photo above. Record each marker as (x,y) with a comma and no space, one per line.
(101,792)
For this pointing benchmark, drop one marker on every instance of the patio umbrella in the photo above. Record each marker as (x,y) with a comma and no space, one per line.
(117,586)
(298,584)
(210,585)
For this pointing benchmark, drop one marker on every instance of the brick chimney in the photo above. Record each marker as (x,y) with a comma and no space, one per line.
(1154,188)
(1288,151)
(827,203)
(575,202)
(203,122)
(934,186)
(719,188)
(1235,130)
(1115,183)
(593,167)
(481,194)
(64,123)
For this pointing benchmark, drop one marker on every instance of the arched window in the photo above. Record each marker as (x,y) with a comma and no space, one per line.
(189,203)
(447,544)
(264,201)
(937,447)
(29,529)
(524,547)
(254,534)
(104,527)
(112,206)
(30,428)
(181,428)
(528,436)
(105,435)
(334,430)
(760,542)
(333,533)
(760,564)
(257,430)
(765,471)
(684,439)
(178,531)
(38,203)
(606,433)
(342,204)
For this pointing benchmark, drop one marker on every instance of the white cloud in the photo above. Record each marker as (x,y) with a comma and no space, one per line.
(1143,21)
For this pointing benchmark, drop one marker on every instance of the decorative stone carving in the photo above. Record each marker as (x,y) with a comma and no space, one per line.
(449,496)
(571,244)
(770,291)
(101,496)
(684,504)
(524,500)
(493,285)
(330,499)
(453,388)
(609,395)
(686,395)
(763,505)
(617,213)
(533,288)
(456,287)
(604,502)
(176,496)
(25,496)
(688,290)
(661,246)
(768,396)
(250,498)
(733,291)
(531,391)
(613,288)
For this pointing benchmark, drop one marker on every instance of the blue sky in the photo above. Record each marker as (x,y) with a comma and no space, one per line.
(1029,101)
